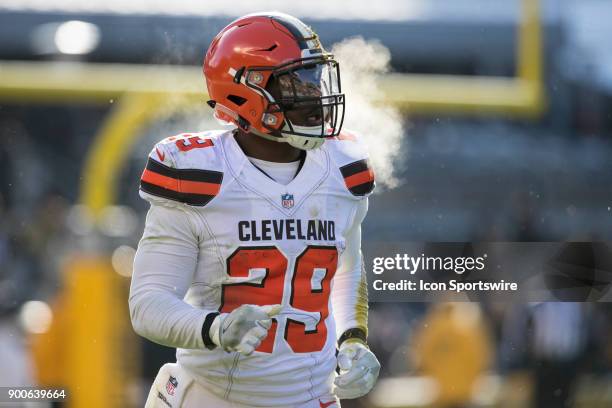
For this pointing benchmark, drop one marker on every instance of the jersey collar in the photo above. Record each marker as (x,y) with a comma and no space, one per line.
(313,172)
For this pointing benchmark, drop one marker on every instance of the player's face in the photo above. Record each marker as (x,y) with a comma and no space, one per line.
(300,92)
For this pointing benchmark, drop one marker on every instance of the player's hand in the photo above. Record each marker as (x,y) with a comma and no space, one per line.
(359,370)
(244,328)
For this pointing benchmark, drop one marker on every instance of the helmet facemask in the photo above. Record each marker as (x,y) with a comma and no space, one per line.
(306,94)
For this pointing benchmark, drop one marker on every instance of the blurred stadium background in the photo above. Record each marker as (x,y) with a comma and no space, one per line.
(506,136)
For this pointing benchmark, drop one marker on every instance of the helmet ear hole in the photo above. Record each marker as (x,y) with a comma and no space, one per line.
(237,100)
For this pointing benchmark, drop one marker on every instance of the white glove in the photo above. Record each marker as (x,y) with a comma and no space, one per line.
(244,328)
(359,370)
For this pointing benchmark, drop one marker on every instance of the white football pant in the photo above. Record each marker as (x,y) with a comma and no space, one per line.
(175,388)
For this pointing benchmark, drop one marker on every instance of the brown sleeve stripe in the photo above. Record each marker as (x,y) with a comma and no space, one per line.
(354,167)
(358,177)
(191,186)
(207,176)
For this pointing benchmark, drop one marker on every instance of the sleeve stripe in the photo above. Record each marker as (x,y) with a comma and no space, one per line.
(206,176)
(358,177)
(354,168)
(190,186)
(180,185)
(366,176)
(192,199)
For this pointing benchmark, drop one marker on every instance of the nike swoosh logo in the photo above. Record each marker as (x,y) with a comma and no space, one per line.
(326,404)
(161,155)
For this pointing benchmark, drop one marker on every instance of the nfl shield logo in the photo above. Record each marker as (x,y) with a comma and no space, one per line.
(287,200)
(171,385)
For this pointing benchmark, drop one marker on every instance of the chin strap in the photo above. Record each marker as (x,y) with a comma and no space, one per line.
(305,142)
(299,142)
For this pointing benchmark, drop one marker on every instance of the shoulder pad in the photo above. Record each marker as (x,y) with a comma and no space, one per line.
(350,155)
(179,169)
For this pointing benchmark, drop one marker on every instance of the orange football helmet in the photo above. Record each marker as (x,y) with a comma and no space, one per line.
(268,74)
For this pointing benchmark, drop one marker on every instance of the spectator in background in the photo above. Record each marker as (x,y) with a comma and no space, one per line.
(551,338)
(453,348)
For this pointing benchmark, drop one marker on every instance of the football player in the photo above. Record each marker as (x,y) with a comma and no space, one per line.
(250,263)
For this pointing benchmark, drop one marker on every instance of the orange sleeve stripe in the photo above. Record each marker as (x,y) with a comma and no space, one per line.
(362,177)
(180,186)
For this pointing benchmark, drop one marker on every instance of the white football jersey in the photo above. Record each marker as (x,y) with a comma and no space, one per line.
(246,239)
